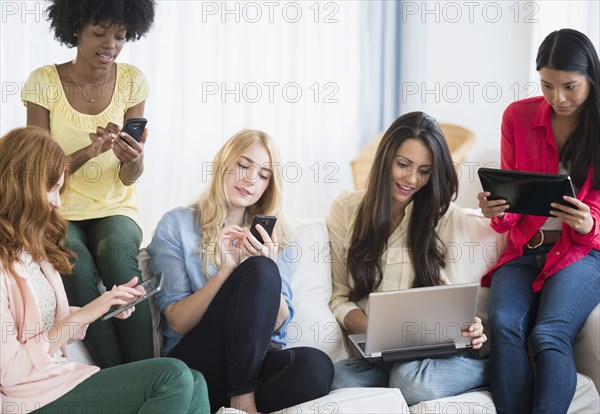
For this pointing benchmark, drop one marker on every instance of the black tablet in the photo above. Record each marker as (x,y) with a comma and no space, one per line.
(526,192)
(150,287)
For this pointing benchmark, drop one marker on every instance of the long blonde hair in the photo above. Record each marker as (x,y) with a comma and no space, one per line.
(211,207)
(31,163)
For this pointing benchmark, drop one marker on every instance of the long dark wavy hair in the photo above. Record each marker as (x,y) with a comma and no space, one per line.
(572,51)
(373,224)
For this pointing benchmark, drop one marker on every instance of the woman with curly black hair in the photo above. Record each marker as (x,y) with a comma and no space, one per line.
(84,103)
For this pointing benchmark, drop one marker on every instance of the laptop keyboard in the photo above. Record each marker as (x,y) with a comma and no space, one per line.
(362,345)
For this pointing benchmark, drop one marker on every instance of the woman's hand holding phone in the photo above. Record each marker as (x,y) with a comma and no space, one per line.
(253,247)
(128,148)
(228,246)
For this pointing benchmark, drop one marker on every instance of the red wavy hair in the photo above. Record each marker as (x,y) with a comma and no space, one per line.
(31,163)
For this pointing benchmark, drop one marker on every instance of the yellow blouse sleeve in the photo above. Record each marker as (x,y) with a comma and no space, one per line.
(41,87)
(134,87)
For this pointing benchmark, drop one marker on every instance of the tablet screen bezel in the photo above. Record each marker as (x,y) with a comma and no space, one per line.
(154,284)
(531,192)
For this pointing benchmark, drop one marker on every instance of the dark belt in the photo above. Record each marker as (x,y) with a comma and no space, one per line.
(543,237)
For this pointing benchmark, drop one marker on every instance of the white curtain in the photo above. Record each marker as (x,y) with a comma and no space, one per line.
(292,69)
(548,16)
(381,52)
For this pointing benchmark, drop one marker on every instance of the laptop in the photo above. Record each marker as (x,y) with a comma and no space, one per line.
(418,323)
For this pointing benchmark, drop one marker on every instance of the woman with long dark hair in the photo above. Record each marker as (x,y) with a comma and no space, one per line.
(547,281)
(394,235)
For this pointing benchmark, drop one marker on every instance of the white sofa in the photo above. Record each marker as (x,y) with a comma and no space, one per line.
(314,325)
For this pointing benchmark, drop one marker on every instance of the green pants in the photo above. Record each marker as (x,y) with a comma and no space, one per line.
(161,385)
(108,248)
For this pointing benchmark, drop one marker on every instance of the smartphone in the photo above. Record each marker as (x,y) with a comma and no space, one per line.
(147,287)
(135,127)
(267,222)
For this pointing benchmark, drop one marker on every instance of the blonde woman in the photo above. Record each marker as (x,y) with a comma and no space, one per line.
(227,297)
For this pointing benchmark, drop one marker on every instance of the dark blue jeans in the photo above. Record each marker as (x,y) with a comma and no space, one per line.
(549,320)
(231,345)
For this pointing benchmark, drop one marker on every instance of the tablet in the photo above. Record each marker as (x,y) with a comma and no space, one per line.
(150,287)
(526,192)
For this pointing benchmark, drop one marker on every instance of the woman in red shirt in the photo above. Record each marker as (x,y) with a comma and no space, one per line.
(547,281)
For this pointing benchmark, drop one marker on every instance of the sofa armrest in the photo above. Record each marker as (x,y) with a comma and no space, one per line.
(587,348)
(158,320)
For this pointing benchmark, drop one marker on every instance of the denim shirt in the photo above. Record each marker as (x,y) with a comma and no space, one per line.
(175,251)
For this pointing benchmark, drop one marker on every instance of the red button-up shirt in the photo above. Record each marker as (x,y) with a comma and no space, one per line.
(528,144)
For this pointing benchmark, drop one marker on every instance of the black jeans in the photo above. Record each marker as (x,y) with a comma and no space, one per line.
(231,345)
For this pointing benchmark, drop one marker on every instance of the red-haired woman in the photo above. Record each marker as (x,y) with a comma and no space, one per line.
(37,322)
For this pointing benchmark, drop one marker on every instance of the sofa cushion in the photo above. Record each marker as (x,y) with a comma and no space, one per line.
(354,400)
(157,318)
(585,401)
(587,348)
(313,324)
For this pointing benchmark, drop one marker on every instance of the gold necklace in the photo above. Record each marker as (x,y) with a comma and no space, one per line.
(85,96)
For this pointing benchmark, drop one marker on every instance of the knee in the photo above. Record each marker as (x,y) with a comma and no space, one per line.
(260,265)
(318,369)
(503,324)
(181,382)
(172,366)
(262,271)
(117,247)
(409,379)
(545,337)
(200,390)
(176,372)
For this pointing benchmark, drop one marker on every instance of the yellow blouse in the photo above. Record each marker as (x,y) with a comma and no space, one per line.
(95,190)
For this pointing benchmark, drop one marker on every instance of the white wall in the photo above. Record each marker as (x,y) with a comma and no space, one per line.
(464,62)
(306,53)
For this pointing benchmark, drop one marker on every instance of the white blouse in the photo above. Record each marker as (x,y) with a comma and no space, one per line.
(45,295)
(472,246)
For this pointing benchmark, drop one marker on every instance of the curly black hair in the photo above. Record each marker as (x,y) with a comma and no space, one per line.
(67,17)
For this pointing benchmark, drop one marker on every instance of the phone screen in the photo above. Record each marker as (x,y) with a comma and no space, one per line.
(267,222)
(148,288)
(135,127)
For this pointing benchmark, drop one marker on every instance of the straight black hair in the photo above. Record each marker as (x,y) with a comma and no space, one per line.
(572,51)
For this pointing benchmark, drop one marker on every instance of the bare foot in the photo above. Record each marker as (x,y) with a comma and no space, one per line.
(244,402)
